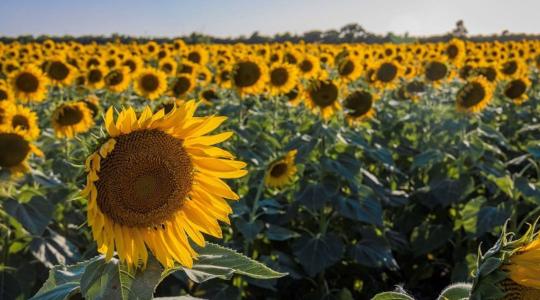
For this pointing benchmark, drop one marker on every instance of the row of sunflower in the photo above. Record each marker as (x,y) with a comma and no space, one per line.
(328,133)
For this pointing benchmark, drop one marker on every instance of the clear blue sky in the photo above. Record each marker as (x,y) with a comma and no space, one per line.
(236,17)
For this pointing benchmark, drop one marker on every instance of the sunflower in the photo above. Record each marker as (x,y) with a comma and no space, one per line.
(475,95)
(24,120)
(134,63)
(150,83)
(92,103)
(29,84)
(294,96)
(168,65)
(249,75)
(16,149)
(436,72)
(171,195)
(322,96)
(282,78)
(348,68)
(309,66)
(208,96)
(6,94)
(181,86)
(223,77)
(281,171)
(359,106)
(516,90)
(59,71)
(455,51)
(95,77)
(70,119)
(6,108)
(117,80)
(197,55)
(385,74)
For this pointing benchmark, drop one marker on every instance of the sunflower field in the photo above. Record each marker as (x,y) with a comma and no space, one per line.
(170,170)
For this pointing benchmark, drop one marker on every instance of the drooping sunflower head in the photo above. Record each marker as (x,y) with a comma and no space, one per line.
(509,270)
(24,120)
(157,183)
(249,75)
(475,95)
(359,106)
(29,84)
(70,119)
(322,96)
(282,78)
(6,94)
(516,90)
(281,172)
(118,79)
(150,83)
(16,149)
(181,86)
(209,96)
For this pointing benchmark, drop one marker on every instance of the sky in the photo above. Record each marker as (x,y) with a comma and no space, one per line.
(226,18)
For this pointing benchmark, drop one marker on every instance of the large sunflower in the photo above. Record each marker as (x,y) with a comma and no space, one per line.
(59,71)
(322,96)
(156,183)
(281,171)
(249,75)
(282,78)
(70,119)
(24,120)
(29,84)
(475,95)
(16,149)
(151,83)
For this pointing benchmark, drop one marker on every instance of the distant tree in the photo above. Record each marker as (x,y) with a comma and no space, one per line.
(460,30)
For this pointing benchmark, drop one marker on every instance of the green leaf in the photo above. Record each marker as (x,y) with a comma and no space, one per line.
(215,261)
(427,157)
(63,281)
(140,285)
(319,252)
(53,249)
(456,292)
(101,280)
(278,233)
(392,296)
(34,215)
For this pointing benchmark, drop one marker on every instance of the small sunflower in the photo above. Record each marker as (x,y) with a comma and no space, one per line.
(516,90)
(150,83)
(359,106)
(16,149)
(29,84)
(172,194)
(181,86)
(118,79)
(475,95)
(309,66)
(95,77)
(349,69)
(294,96)
(436,72)
(168,65)
(208,96)
(322,96)
(6,94)
(249,75)
(282,78)
(281,171)
(385,74)
(70,119)
(24,120)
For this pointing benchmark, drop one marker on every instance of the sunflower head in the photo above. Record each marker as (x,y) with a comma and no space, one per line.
(516,90)
(475,95)
(24,120)
(322,96)
(249,75)
(181,86)
(59,71)
(95,77)
(70,119)
(157,183)
(359,106)
(92,103)
(282,78)
(16,149)
(150,83)
(281,172)
(29,84)
(6,94)
(509,269)
(118,79)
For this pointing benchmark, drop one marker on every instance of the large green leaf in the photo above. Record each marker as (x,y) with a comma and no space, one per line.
(34,215)
(215,261)
(140,285)
(101,280)
(392,296)
(318,252)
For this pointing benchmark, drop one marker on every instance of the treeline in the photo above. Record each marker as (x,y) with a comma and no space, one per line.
(350,33)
